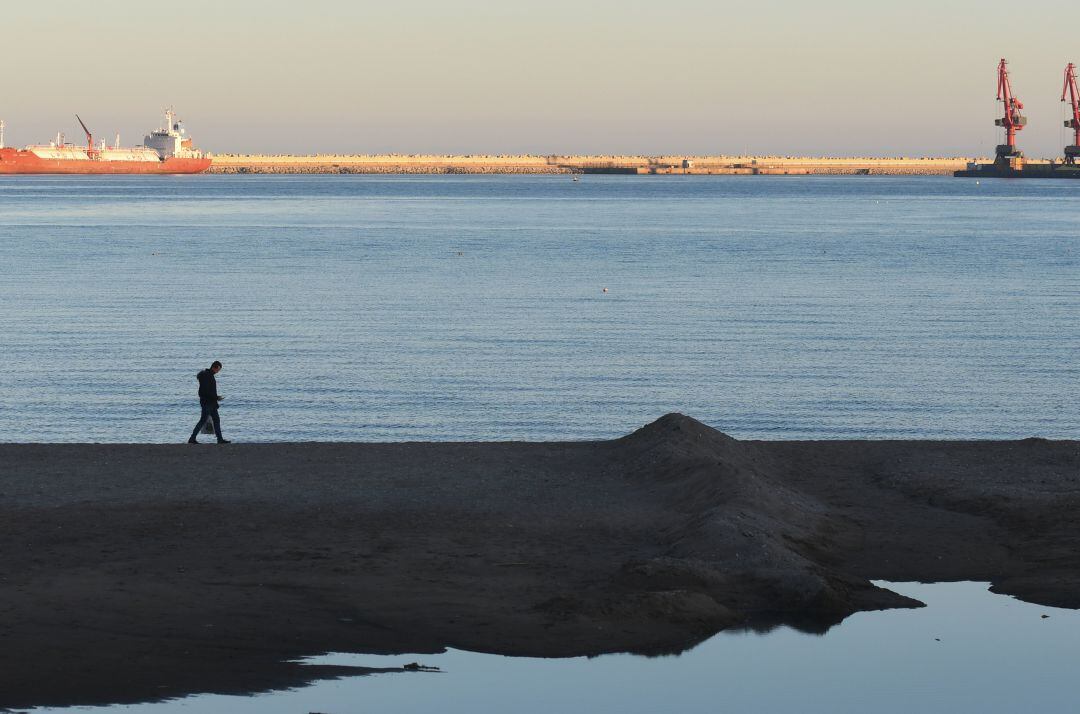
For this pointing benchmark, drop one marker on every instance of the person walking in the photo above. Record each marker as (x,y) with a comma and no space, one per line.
(208,400)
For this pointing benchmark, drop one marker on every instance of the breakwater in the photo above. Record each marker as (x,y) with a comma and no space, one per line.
(579,164)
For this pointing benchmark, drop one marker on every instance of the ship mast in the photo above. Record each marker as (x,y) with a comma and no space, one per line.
(1,133)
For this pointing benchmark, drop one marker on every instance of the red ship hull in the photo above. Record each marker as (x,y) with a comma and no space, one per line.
(14,161)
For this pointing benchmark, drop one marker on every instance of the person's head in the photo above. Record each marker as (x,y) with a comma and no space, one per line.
(215,367)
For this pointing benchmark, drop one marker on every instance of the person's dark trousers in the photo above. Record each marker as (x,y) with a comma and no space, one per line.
(209,411)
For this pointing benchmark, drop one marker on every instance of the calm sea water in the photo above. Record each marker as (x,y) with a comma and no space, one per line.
(470,307)
(968,651)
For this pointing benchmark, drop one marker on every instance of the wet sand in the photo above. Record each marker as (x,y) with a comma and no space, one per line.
(137,572)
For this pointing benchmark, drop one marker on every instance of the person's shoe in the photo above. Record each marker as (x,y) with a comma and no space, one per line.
(223,441)
(192,441)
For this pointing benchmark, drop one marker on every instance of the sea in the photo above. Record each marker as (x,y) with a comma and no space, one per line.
(457,307)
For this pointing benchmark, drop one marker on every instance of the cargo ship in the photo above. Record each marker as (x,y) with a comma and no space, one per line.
(168,150)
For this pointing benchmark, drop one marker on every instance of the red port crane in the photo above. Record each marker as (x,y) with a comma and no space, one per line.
(1069,90)
(1013,121)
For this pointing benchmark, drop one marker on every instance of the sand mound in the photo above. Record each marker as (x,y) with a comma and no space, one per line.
(746,539)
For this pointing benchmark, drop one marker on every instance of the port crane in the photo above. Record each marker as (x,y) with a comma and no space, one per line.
(1013,121)
(1069,90)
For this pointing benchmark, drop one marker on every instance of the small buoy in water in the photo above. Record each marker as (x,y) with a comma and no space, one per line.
(976,183)
(604,290)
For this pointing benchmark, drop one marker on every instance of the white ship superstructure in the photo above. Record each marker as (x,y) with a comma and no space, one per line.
(171,140)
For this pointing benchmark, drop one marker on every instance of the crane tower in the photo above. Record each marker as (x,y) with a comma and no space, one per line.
(1013,121)
(1073,97)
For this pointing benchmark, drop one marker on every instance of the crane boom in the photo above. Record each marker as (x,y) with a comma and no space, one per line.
(1013,121)
(89,136)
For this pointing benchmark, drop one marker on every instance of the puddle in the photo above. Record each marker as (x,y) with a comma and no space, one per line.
(968,650)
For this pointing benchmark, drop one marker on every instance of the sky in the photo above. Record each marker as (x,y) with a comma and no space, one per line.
(831,77)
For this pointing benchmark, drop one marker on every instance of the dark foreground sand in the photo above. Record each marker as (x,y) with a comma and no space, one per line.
(139,572)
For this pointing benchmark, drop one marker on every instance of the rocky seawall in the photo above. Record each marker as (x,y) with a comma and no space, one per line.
(643,165)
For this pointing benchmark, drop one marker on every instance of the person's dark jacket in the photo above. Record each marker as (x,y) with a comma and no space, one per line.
(207,387)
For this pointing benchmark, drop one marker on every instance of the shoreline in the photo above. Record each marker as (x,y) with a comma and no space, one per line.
(141,572)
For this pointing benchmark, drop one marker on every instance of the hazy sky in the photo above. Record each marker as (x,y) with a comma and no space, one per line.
(833,77)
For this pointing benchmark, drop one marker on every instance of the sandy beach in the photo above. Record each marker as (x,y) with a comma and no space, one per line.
(137,572)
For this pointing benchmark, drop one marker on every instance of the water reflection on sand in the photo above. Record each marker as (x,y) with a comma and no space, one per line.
(969,650)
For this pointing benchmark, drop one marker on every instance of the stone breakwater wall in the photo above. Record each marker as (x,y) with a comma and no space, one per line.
(388,164)
(526,164)
(339,168)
